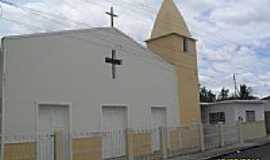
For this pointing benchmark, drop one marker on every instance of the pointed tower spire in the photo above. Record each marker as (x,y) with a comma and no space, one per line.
(171,40)
(169,20)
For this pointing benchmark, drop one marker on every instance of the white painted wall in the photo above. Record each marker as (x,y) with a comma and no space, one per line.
(242,108)
(234,110)
(227,109)
(70,67)
(267,106)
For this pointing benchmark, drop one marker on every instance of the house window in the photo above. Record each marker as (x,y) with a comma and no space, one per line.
(215,118)
(185,45)
(250,116)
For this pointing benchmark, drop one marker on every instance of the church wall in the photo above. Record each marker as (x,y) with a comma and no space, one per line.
(64,68)
(165,48)
(188,96)
(170,49)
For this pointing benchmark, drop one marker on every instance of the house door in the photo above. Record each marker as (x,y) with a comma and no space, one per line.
(52,119)
(114,125)
(267,122)
(158,118)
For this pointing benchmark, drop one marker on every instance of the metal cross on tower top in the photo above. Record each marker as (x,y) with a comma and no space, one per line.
(112,15)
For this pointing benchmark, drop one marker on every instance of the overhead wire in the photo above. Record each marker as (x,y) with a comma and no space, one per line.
(151,12)
(137,7)
(90,2)
(122,50)
(152,56)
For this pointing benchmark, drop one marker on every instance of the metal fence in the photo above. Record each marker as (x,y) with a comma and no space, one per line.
(126,144)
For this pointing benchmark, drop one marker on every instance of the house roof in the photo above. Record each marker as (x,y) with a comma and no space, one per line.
(235,102)
(266,98)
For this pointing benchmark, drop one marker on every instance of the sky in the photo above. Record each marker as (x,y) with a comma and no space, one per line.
(233,35)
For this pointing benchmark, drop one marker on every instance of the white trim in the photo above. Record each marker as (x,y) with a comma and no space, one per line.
(69,106)
(151,117)
(159,107)
(235,102)
(112,106)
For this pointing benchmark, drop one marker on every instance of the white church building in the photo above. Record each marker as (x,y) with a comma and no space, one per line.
(85,80)
(99,79)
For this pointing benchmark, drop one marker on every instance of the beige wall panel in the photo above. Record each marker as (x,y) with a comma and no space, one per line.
(169,48)
(175,143)
(188,96)
(22,151)
(186,60)
(253,130)
(183,139)
(139,144)
(190,137)
(87,148)
(165,48)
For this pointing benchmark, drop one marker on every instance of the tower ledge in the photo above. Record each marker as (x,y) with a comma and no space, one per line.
(167,35)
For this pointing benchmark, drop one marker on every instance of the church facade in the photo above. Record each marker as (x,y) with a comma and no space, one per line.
(97,80)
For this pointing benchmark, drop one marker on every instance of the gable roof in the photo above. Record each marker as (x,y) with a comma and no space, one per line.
(104,31)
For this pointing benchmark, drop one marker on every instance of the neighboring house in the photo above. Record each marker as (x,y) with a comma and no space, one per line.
(267,114)
(267,98)
(233,111)
(98,79)
(251,114)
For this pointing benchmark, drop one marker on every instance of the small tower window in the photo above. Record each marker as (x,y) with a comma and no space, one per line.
(185,45)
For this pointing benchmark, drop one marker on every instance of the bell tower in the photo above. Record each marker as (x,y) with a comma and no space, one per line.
(171,40)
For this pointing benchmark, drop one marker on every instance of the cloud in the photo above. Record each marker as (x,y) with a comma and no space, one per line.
(233,36)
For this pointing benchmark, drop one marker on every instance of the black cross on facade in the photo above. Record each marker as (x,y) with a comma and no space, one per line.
(112,15)
(114,62)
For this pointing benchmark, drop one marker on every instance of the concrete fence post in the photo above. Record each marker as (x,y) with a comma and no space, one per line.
(221,134)
(163,142)
(129,152)
(241,134)
(58,145)
(202,142)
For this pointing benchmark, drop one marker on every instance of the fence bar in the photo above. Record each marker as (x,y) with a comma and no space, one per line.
(128,155)
(221,134)
(241,136)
